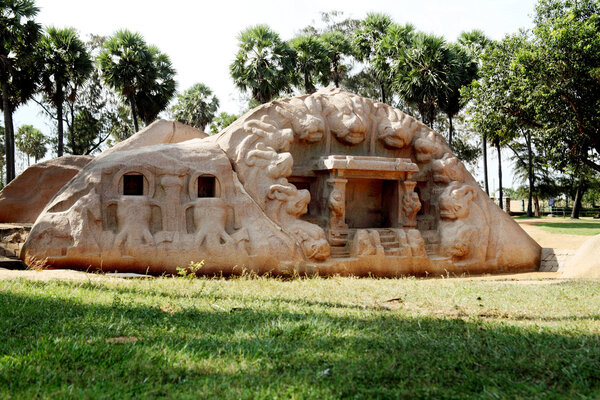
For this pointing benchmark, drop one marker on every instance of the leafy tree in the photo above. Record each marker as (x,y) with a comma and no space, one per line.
(19,66)
(197,106)
(140,73)
(67,65)
(264,64)
(367,42)
(338,47)
(561,71)
(475,43)
(222,121)
(31,142)
(501,107)
(312,61)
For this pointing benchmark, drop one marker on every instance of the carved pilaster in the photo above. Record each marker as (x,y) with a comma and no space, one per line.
(337,203)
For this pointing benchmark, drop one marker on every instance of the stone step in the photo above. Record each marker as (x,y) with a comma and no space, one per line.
(395,251)
(389,245)
(337,242)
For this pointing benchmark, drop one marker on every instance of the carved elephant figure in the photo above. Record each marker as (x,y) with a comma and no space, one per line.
(133,222)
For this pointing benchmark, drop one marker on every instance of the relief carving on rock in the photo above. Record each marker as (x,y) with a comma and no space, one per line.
(391,196)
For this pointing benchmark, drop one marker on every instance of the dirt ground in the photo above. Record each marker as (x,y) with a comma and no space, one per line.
(552,240)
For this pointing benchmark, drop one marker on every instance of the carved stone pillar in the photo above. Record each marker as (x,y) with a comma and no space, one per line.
(337,203)
(410,203)
(172,212)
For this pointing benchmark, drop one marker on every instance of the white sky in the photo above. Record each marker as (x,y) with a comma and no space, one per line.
(201,37)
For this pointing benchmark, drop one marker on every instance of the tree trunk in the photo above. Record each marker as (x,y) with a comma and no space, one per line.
(9,136)
(578,196)
(530,175)
(499,175)
(382,87)
(485,166)
(536,203)
(59,118)
(133,113)
(450,132)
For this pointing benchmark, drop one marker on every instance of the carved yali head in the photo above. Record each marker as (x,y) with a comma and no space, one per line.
(447,169)
(395,129)
(304,116)
(347,118)
(456,200)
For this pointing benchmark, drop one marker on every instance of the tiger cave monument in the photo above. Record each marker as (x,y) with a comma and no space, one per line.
(328,183)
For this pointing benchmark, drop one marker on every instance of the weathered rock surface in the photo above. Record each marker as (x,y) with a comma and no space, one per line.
(23,199)
(158,132)
(585,263)
(331,183)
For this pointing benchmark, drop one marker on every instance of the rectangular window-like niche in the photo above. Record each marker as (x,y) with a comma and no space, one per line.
(206,186)
(133,185)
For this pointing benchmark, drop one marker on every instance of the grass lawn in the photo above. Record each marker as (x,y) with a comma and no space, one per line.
(559,225)
(315,338)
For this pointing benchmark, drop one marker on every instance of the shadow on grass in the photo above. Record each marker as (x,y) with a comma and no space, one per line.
(53,347)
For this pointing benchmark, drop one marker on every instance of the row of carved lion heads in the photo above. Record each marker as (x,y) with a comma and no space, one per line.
(348,117)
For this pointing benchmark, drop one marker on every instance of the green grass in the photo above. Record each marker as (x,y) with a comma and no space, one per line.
(587,226)
(316,338)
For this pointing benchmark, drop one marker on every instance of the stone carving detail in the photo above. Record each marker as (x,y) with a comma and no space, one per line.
(133,221)
(347,117)
(392,199)
(395,129)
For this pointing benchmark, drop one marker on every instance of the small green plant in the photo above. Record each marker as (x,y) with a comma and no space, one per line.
(190,271)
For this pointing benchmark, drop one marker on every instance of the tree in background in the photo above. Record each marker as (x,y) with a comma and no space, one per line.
(462,70)
(312,62)
(31,142)
(19,66)
(422,72)
(140,73)
(338,47)
(264,64)
(475,43)
(197,106)
(367,43)
(2,154)
(67,65)
(222,121)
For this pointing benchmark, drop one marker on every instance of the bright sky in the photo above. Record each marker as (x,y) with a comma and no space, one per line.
(201,37)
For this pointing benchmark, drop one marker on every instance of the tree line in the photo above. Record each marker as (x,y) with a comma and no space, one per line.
(534,93)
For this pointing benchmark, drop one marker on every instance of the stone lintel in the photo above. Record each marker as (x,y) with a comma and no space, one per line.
(366,163)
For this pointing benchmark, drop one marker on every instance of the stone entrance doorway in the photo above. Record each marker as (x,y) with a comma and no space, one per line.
(370,203)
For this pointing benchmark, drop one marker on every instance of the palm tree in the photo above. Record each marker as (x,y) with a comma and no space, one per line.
(367,41)
(140,73)
(32,142)
(422,74)
(67,64)
(312,61)
(337,46)
(158,89)
(197,106)
(462,70)
(19,67)
(264,64)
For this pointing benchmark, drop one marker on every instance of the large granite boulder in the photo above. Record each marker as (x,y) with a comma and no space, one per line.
(585,263)
(328,183)
(23,199)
